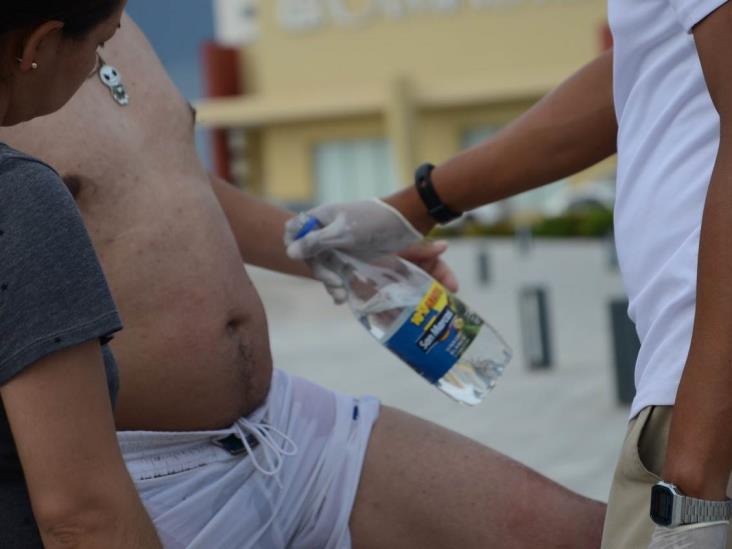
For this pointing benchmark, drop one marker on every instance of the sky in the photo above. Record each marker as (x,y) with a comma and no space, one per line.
(176,28)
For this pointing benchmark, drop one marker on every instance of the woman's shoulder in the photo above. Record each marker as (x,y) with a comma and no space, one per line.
(25,180)
(12,160)
(35,205)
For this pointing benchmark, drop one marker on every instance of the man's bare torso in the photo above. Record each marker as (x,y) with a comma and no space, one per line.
(195,350)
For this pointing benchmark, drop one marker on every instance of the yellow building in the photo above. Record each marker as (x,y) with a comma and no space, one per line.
(344,98)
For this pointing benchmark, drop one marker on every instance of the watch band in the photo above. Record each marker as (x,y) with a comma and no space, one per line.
(694,511)
(670,508)
(436,208)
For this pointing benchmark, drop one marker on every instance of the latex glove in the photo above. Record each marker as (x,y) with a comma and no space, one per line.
(329,277)
(365,229)
(711,535)
(425,254)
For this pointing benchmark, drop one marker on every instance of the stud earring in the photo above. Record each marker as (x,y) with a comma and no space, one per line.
(34,65)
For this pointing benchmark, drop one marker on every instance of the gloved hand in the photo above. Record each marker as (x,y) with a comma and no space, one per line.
(425,254)
(711,535)
(365,229)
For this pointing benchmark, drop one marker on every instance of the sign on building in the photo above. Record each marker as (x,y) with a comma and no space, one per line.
(237,21)
(309,14)
(299,15)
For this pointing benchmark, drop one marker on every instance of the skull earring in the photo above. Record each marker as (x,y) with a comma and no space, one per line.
(112,78)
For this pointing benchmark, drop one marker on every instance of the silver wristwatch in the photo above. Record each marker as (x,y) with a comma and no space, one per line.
(671,508)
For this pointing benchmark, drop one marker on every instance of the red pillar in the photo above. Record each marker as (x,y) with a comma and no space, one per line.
(222,74)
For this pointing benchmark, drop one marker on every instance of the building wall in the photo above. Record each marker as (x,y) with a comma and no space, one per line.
(287,153)
(287,149)
(425,75)
(442,133)
(509,42)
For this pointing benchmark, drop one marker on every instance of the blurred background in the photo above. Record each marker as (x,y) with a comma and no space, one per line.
(309,101)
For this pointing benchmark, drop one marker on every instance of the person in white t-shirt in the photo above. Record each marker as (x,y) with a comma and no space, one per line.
(661,99)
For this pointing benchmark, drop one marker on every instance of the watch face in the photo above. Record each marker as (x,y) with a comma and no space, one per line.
(662,504)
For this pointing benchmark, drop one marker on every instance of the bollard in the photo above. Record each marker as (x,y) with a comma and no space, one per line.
(626,346)
(533,310)
(524,239)
(612,253)
(484,266)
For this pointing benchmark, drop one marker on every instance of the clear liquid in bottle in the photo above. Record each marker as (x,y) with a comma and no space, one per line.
(429,328)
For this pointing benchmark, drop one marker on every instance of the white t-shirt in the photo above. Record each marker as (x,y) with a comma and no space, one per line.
(667,145)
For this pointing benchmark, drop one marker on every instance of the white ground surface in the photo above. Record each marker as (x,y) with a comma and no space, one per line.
(564,422)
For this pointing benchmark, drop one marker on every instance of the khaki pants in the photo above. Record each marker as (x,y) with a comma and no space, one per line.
(627,523)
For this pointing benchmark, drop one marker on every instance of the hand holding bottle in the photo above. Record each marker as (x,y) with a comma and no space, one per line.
(365,229)
(419,320)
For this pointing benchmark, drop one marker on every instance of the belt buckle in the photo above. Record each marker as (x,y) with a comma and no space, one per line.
(234,445)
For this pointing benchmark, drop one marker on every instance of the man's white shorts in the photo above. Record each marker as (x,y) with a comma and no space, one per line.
(295,489)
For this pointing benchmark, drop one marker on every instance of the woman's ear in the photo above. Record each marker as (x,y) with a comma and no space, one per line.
(29,59)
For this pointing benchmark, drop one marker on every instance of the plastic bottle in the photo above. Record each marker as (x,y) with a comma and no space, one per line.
(421,322)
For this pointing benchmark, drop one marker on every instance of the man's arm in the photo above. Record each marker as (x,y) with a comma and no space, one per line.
(259,231)
(699,455)
(571,129)
(258,228)
(61,418)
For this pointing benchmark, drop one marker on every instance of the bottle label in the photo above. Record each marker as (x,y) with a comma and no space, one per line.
(436,334)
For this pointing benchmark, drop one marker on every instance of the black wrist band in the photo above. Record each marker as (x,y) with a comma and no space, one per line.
(436,208)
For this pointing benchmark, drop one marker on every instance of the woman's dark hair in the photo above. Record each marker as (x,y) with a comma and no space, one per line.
(79,16)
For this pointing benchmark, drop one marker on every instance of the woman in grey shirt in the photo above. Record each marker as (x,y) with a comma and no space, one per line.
(63,482)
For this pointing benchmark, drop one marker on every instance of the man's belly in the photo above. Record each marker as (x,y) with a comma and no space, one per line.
(190,380)
(194,353)
(191,369)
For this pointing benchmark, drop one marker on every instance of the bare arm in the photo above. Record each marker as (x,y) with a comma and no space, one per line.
(61,417)
(571,129)
(258,228)
(699,455)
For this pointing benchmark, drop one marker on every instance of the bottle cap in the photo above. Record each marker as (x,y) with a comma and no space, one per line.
(310,225)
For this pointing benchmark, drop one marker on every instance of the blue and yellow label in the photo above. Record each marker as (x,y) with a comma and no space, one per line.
(436,334)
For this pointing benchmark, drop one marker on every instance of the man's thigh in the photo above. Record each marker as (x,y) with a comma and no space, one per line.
(424,486)
(628,523)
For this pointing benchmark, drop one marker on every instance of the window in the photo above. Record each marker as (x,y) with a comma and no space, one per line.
(353,169)
(476,135)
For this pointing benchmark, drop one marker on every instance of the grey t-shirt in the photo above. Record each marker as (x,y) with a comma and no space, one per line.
(53,296)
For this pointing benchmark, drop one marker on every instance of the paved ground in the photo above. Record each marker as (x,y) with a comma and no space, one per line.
(564,422)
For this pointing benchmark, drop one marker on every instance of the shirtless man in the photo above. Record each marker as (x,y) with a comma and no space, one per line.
(194,358)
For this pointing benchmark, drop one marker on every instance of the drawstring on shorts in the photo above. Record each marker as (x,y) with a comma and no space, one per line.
(276,445)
